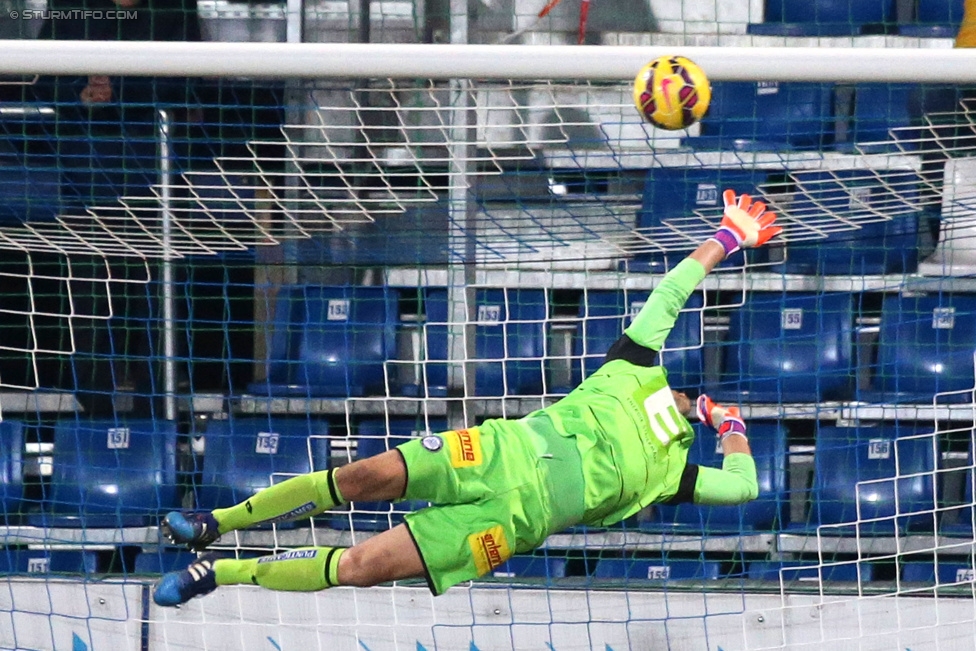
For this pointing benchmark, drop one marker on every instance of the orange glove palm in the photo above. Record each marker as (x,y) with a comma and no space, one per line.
(746,224)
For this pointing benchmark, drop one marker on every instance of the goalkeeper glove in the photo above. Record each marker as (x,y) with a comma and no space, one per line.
(745,224)
(726,421)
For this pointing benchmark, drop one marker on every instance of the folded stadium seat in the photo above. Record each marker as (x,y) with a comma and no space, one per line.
(884,246)
(672,195)
(802,571)
(824,17)
(768,442)
(943,572)
(878,108)
(847,458)
(925,346)
(14,560)
(657,569)
(11,470)
(510,338)
(767,116)
(243,455)
(553,567)
(110,473)
(160,561)
(605,314)
(375,437)
(935,19)
(958,521)
(788,348)
(331,341)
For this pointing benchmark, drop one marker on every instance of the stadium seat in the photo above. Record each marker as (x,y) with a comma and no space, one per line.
(808,571)
(878,108)
(886,246)
(510,337)
(110,473)
(768,442)
(925,346)
(788,348)
(824,17)
(331,341)
(550,567)
(935,19)
(11,469)
(944,572)
(18,560)
(605,314)
(673,195)
(767,115)
(243,455)
(657,569)
(847,460)
(160,561)
(375,437)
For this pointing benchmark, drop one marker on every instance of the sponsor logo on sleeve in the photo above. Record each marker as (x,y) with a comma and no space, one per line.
(489,549)
(465,448)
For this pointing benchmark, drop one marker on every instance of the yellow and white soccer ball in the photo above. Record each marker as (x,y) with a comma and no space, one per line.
(671,92)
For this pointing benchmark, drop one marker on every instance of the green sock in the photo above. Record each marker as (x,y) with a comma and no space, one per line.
(293,499)
(305,569)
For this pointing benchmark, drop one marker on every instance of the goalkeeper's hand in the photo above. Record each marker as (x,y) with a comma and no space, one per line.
(726,421)
(746,224)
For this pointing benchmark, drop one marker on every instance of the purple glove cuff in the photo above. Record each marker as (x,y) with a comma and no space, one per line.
(728,240)
(730,427)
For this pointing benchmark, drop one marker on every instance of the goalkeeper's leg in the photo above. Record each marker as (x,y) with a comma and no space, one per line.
(389,556)
(379,478)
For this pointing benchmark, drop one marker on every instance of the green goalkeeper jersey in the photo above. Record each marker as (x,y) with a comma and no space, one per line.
(633,442)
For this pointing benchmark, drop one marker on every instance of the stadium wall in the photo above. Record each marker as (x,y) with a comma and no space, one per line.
(118,616)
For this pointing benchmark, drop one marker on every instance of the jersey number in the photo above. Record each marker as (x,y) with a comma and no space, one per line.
(662,413)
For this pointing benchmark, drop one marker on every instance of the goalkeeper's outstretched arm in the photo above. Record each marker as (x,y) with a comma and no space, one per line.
(745,224)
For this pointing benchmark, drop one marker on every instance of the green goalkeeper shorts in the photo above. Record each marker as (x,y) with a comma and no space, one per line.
(491,489)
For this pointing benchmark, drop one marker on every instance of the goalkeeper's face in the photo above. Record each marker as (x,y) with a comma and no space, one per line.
(684,404)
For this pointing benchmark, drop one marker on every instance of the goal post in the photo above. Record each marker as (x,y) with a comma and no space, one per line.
(280,283)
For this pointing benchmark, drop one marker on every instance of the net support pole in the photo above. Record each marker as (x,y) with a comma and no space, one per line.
(461,244)
(169,296)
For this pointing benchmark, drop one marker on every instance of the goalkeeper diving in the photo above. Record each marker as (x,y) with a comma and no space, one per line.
(614,445)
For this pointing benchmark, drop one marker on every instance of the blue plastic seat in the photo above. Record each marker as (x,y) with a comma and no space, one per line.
(551,567)
(767,116)
(878,108)
(935,19)
(788,348)
(873,248)
(768,442)
(605,314)
(244,455)
(331,341)
(657,569)
(925,346)
(672,195)
(943,572)
(510,336)
(109,473)
(802,571)
(14,560)
(11,469)
(376,437)
(28,193)
(823,17)
(161,561)
(846,457)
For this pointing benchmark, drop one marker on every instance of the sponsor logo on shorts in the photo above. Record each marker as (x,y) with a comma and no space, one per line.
(432,442)
(288,556)
(490,549)
(465,447)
